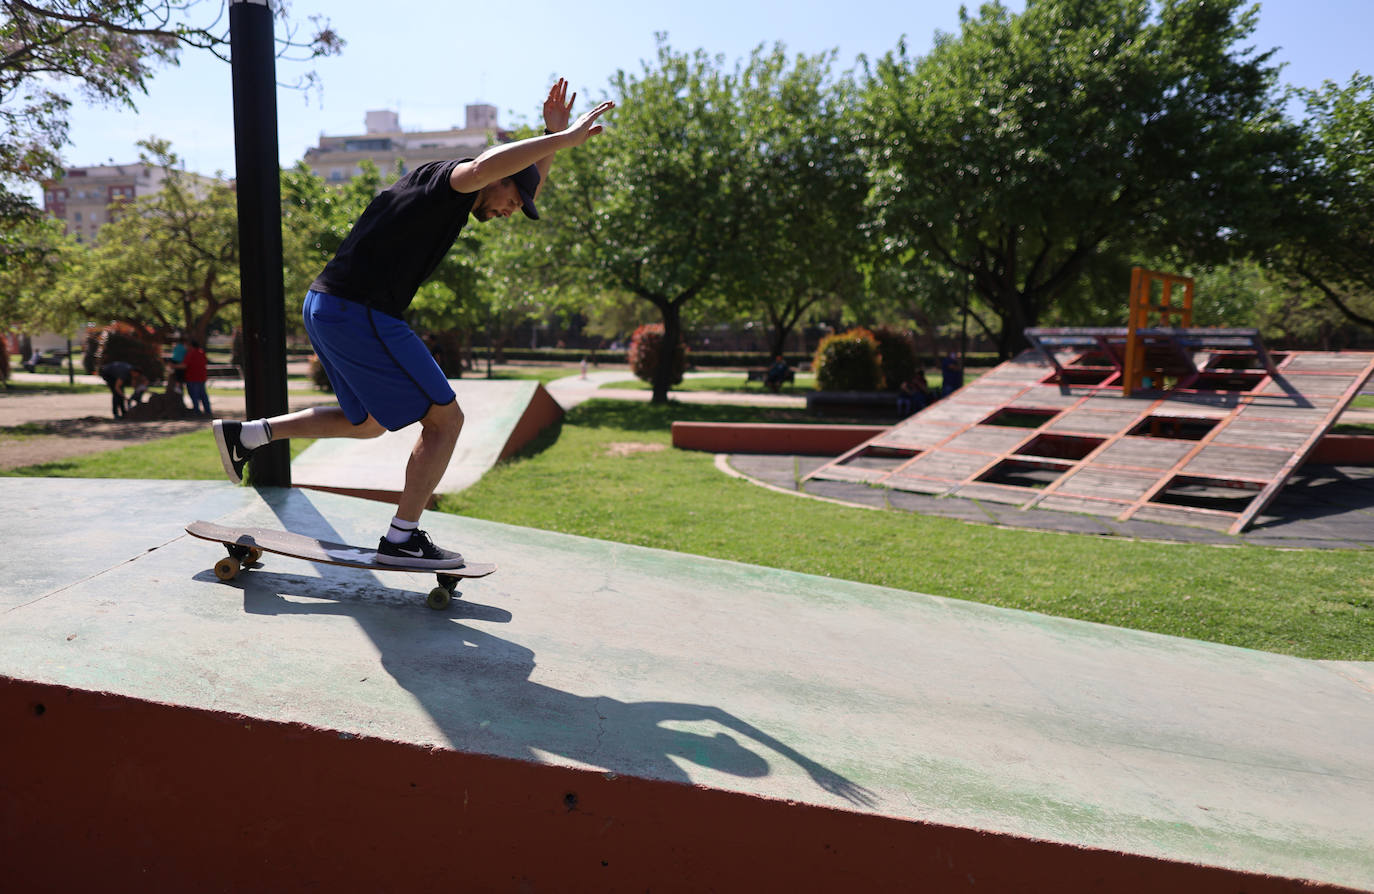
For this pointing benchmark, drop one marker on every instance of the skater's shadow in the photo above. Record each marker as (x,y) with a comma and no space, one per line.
(477,687)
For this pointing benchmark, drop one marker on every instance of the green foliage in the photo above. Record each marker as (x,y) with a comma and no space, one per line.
(34,253)
(107,51)
(897,356)
(646,351)
(316,218)
(848,361)
(169,259)
(1017,150)
(1329,238)
(805,192)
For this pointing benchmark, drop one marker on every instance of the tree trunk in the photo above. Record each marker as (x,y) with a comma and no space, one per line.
(672,337)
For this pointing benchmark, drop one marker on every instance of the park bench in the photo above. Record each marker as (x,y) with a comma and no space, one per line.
(848,403)
(54,358)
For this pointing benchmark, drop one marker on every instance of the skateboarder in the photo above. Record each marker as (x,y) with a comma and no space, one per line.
(383,374)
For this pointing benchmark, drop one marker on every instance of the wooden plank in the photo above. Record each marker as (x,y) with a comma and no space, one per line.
(918,434)
(916,485)
(1061,503)
(947,465)
(995,493)
(1239,432)
(1319,361)
(1092,421)
(1145,453)
(1237,463)
(990,439)
(1108,484)
(1309,385)
(1179,515)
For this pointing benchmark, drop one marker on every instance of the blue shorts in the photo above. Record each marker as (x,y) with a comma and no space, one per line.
(377,365)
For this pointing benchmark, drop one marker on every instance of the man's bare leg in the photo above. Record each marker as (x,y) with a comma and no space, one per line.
(322,422)
(429,458)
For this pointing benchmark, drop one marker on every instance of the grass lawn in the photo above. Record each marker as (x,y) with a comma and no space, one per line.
(608,472)
(192,456)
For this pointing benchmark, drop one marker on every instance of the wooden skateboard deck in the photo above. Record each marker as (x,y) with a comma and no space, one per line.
(246,545)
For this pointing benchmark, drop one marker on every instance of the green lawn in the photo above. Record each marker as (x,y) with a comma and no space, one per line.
(192,456)
(581,478)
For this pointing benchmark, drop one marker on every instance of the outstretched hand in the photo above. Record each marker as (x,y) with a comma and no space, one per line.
(585,125)
(558,106)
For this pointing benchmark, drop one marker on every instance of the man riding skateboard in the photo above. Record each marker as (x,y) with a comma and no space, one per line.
(384,376)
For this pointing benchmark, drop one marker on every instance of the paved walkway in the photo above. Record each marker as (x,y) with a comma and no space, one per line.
(658,665)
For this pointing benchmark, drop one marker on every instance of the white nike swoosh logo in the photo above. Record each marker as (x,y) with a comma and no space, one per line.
(236,456)
(413,553)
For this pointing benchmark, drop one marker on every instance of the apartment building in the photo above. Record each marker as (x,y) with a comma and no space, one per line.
(337,159)
(81,197)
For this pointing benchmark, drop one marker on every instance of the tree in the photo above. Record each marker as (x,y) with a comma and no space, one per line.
(801,214)
(316,218)
(169,259)
(107,50)
(651,207)
(1019,149)
(1330,244)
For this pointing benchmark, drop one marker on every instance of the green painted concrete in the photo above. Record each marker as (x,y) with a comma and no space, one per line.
(491,408)
(651,663)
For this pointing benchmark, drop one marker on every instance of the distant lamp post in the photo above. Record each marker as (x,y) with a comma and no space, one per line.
(253,55)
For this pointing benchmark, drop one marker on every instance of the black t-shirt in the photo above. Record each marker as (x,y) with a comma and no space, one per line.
(399,240)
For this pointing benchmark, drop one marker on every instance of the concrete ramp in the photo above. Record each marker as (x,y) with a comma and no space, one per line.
(501,416)
(596,716)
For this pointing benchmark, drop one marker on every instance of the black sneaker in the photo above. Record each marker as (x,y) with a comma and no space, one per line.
(418,550)
(231,450)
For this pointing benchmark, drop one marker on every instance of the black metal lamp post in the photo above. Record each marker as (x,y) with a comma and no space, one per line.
(253,54)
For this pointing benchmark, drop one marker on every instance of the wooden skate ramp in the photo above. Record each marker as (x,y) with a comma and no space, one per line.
(1051,429)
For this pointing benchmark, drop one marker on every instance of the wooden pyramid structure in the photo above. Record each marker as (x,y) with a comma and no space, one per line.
(1171,423)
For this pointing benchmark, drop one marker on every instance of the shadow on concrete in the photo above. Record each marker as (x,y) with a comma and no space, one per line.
(477,687)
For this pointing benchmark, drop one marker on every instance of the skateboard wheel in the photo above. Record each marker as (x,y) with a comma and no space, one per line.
(254,555)
(439,599)
(448,582)
(227,568)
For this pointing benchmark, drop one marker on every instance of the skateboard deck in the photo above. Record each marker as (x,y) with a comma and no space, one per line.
(246,546)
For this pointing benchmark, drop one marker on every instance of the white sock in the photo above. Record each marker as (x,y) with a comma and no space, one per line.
(400,530)
(255,434)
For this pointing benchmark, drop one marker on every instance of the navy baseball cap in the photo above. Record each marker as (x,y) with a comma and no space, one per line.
(527,182)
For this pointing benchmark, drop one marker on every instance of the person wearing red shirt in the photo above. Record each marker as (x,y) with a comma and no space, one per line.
(196,374)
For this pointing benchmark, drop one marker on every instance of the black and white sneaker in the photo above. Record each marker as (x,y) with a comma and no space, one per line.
(231,450)
(418,550)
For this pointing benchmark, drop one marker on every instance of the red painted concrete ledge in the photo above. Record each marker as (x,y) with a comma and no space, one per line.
(105,792)
(767,437)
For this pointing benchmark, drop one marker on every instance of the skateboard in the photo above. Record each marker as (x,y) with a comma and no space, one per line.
(247,545)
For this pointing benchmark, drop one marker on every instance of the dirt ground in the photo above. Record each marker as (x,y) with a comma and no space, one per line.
(70,425)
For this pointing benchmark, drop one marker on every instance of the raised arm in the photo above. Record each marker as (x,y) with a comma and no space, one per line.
(503,160)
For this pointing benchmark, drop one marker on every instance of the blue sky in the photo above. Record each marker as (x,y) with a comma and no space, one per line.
(428,60)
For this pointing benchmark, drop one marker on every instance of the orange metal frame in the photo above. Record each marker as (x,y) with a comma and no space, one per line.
(1145,314)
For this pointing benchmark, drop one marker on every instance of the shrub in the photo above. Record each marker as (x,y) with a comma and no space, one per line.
(318,376)
(848,362)
(897,350)
(646,345)
(136,346)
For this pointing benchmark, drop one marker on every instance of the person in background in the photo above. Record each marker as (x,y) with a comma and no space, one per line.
(117,375)
(195,372)
(951,374)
